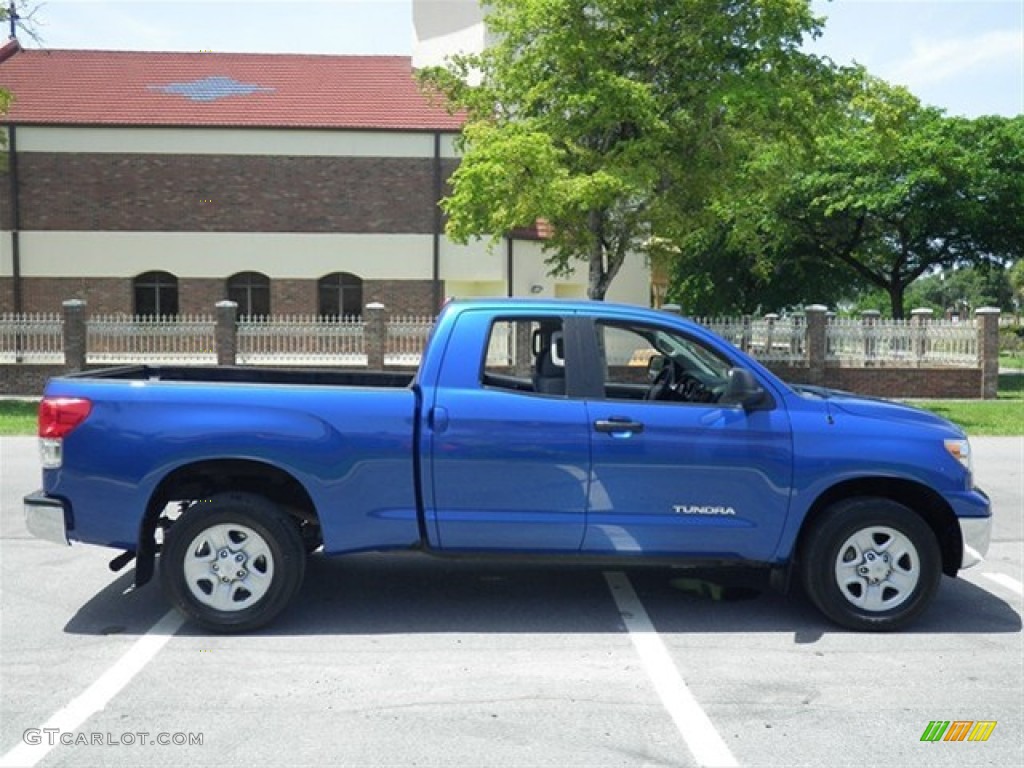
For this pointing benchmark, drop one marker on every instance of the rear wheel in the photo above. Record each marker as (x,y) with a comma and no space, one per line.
(871,563)
(232,564)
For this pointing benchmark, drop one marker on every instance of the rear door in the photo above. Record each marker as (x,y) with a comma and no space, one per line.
(682,475)
(508,447)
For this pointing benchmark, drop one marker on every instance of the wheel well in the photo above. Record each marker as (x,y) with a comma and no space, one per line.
(206,478)
(932,508)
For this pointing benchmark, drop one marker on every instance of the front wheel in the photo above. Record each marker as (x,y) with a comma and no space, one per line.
(871,563)
(233,563)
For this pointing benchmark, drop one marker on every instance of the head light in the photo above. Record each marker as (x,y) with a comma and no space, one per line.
(961,451)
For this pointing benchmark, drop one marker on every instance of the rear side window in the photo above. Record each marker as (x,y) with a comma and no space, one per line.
(526,355)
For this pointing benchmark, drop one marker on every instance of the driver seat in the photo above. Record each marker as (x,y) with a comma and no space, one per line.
(549,373)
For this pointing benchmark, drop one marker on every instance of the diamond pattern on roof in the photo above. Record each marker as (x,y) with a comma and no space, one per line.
(212,88)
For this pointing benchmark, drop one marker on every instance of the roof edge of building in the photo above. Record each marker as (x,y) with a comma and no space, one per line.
(9,48)
(16,47)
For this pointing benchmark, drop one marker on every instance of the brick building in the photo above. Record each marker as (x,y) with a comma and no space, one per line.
(160,183)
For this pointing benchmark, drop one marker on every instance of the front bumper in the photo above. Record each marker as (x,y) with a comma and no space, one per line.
(45,518)
(976,533)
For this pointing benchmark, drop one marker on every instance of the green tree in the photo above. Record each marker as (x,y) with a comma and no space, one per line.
(1016,277)
(714,276)
(611,119)
(893,190)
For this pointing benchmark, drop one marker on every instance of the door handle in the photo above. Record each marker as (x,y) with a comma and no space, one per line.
(618,426)
(438,419)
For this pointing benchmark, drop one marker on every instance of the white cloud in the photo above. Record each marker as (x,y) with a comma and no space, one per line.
(933,61)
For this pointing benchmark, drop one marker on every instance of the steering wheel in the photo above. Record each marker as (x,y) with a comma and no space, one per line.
(674,384)
(663,384)
(692,390)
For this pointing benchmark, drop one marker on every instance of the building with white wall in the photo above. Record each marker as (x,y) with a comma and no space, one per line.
(163,182)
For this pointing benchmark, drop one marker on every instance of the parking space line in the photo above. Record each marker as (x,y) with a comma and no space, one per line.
(99,694)
(1006,581)
(696,728)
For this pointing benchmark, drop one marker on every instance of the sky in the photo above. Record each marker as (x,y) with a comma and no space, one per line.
(964,56)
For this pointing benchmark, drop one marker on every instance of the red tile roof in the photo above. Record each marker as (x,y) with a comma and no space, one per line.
(65,87)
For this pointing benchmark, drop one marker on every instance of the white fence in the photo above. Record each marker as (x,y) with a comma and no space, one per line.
(770,339)
(317,341)
(321,341)
(407,338)
(852,342)
(301,340)
(115,339)
(32,338)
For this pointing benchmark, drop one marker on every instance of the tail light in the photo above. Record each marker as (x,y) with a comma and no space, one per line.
(57,417)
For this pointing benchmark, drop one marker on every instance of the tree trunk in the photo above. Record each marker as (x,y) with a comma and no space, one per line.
(597,285)
(896,289)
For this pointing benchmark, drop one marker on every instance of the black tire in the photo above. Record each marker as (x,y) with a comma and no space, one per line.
(871,564)
(233,563)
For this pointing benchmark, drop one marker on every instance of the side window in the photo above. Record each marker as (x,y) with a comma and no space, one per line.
(526,355)
(627,354)
(649,363)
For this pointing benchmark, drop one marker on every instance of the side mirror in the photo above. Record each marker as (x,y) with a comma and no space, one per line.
(741,388)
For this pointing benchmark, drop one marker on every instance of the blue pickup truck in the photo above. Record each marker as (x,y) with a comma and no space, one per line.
(577,431)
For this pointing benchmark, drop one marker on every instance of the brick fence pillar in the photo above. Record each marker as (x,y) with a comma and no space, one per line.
(375,330)
(74,335)
(986,320)
(225,334)
(816,340)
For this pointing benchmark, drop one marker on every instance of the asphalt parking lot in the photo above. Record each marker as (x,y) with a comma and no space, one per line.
(409,661)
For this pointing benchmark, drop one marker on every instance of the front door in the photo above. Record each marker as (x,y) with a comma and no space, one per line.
(674,472)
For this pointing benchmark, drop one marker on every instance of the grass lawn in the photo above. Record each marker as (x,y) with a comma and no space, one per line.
(1011,360)
(1002,416)
(18,417)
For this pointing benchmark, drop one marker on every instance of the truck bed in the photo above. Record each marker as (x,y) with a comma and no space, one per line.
(252,375)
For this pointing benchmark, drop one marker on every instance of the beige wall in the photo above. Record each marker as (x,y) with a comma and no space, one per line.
(232,141)
(303,255)
(218,254)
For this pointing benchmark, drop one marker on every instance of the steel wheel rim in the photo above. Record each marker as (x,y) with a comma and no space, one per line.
(228,567)
(877,568)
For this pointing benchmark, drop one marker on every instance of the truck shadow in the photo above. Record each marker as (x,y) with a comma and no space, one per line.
(414,594)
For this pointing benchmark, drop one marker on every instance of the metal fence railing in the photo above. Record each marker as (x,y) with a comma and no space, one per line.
(853,342)
(406,339)
(33,337)
(302,340)
(114,339)
(320,341)
(771,339)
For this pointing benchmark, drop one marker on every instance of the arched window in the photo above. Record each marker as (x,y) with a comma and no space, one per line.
(251,292)
(340,294)
(156,294)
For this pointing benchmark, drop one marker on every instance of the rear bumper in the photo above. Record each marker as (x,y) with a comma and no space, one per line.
(45,518)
